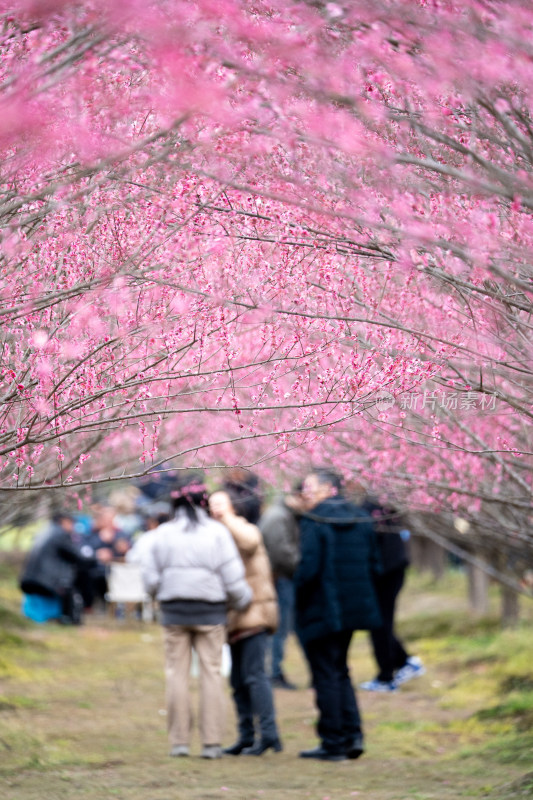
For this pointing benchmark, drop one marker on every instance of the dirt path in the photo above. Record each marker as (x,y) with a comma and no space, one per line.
(81,715)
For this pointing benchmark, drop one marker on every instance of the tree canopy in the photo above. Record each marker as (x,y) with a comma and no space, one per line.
(271,233)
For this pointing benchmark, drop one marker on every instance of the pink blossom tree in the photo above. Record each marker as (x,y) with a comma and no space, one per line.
(228,229)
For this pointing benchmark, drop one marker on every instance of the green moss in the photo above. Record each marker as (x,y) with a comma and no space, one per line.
(15,702)
(509,747)
(448,624)
(518,708)
(9,618)
(8,639)
(521,788)
(519,683)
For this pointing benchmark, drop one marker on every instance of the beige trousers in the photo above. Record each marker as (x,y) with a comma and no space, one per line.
(208,641)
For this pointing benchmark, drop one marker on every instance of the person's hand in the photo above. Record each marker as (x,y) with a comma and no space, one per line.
(104,555)
(220,506)
(295,502)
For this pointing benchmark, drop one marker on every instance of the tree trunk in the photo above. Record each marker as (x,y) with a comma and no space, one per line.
(510,607)
(436,560)
(478,590)
(427,555)
(416,552)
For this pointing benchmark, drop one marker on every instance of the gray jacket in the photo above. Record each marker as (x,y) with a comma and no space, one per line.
(279,527)
(194,562)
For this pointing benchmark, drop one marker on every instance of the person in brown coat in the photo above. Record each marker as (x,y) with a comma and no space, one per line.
(248,633)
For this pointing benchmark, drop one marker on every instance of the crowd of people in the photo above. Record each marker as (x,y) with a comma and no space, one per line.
(222,569)
(66,572)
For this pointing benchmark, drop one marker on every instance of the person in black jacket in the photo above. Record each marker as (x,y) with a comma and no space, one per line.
(54,566)
(335,595)
(395,664)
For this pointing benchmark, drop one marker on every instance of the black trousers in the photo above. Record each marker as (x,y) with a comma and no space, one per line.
(339,719)
(252,691)
(72,606)
(388,649)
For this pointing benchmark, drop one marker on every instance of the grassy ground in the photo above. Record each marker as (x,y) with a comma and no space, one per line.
(81,715)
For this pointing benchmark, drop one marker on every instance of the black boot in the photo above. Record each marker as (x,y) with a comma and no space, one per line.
(264,744)
(322,754)
(356,747)
(237,748)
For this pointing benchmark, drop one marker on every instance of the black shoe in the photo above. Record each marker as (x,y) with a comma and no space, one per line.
(322,754)
(237,748)
(355,748)
(265,744)
(281,682)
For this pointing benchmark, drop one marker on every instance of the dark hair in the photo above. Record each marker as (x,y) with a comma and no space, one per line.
(158,512)
(190,493)
(245,499)
(157,483)
(58,517)
(325,475)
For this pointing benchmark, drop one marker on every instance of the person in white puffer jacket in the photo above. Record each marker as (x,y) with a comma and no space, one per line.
(193,568)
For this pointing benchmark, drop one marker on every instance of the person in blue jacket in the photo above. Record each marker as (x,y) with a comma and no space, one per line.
(335,595)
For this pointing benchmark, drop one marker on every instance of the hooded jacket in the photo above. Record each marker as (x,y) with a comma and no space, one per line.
(334,580)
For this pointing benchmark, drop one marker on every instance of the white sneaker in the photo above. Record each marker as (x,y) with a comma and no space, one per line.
(378,686)
(412,669)
(212,751)
(180,750)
